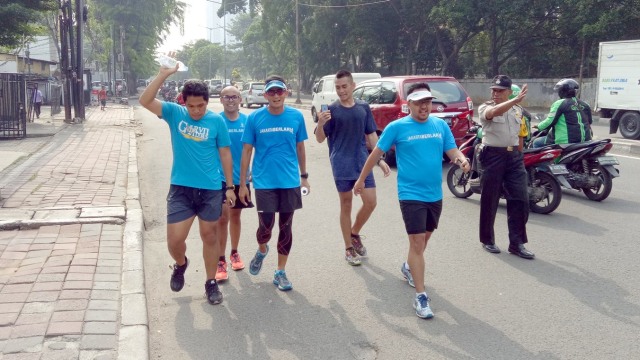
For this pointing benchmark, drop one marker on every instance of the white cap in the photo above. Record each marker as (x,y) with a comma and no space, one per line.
(419,95)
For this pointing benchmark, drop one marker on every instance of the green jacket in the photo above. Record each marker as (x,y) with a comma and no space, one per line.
(569,121)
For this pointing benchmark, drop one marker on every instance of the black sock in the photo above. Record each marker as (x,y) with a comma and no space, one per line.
(222,258)
(233,251)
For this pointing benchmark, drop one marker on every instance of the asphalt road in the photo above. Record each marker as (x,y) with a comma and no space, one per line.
(579,299)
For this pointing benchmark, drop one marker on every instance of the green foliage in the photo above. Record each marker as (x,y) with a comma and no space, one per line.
(20,20)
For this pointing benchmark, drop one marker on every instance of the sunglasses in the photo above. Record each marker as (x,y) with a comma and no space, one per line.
(230,97)
(278,91)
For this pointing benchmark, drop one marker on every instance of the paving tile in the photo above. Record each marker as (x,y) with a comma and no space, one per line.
(18,247)
(42,296)
(60,354)
(37,318)
(53,269)
(101,315)
(8,319)
(71,304)
(9,255)
(13,298)
(100,327)
(111,263)
(79,276)
(43,278)
(60,316)
(84,261)
(38,307)
(24,279)
(38,253)
(108,270)
(11,307)
(74,294)
(16,288)
(106,285)
(96,304)
(23,345)
(39,247)
(39,329)
(77,285)
(62,252)
(110,256)
(5,332)
(86,256)
(105,294)
(27,269)
(63,246)
(36,261)
(87,269)
(64,328)
(107,277)
(96,342)
(47,286)
(98,355)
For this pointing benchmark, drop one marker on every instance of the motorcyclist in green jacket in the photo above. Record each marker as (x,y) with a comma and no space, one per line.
(569,119)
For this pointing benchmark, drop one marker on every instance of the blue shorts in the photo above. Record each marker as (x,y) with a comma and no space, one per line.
(184,202)
(419,216)
(347,185)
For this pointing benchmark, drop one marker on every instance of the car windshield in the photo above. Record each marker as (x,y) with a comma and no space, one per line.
(444,91)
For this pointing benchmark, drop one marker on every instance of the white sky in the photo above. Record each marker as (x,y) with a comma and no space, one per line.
(195,26)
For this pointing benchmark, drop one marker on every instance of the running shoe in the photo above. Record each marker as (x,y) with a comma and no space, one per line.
(352,257)
(221,273)
(256,262)
(407,274)
(281,281)
(236,262)
(177,277)
(212,291)
(356,242)
(421,304)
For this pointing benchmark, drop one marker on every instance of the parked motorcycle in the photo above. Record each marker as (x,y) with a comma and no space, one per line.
(590,169)
(544,177)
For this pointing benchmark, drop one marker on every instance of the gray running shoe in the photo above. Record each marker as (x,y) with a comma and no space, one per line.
(212,291)
(407,274)
(352,257)
(421,304)
(356,242)
(256,262)
(177,277)
(281,281)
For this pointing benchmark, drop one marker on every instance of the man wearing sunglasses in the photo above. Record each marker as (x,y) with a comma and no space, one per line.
(277,132)
(229,223)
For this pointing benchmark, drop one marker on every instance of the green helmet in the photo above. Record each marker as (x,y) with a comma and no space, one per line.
(515,91)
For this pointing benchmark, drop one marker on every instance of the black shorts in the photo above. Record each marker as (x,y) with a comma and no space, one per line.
(419,216)
(278,200)
(103,102)
(184,202)
(238,204)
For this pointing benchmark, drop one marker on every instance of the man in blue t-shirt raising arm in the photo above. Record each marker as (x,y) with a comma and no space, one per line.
(200,142)
(349,126)
(420,140)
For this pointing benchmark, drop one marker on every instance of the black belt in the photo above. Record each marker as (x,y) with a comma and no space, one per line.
(504,148)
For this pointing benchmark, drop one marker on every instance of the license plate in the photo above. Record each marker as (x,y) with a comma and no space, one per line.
(558,169)
(608,160)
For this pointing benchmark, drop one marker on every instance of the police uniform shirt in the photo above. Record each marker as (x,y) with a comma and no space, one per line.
(503,130)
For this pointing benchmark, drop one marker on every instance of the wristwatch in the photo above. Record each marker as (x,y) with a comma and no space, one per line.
(232,187)
(304,175)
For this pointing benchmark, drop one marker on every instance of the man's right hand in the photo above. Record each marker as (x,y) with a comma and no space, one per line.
(324,117)
(166,72)
(243,194)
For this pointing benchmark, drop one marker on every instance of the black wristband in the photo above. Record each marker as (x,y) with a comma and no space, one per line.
(304,175)
(232,187)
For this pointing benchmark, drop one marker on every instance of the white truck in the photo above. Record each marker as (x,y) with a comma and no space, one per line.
(618,92)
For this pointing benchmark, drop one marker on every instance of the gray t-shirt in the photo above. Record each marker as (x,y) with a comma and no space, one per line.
(346,136)
(502,130)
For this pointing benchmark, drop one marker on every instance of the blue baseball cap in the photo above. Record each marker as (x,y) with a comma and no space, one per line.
(275,84)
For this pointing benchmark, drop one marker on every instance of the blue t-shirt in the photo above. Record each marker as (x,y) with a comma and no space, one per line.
(236,128)
(274,138)
(419,148)
(346,136)
(195,147)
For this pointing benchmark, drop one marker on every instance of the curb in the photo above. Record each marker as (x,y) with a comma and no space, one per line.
(133,337)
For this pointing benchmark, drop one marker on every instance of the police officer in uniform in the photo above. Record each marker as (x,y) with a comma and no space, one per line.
(501,158)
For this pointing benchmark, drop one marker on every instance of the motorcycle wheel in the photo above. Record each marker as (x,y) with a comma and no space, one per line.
(604,190)
(554,194)
(458,182)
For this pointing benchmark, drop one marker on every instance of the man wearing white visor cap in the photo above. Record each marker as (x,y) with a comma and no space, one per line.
(420,140)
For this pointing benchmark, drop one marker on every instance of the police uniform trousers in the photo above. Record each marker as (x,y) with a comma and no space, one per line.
(503,170)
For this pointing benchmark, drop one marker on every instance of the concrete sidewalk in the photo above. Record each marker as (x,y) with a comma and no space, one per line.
(71,265)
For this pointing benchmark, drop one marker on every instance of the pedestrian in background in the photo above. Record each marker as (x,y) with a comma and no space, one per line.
(102,97)
(229,223)
(348,125)
(420,141)
(501,158)
(200,143)
(277,132)
(37,102)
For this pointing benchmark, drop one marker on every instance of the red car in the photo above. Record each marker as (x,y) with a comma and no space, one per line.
(387,98)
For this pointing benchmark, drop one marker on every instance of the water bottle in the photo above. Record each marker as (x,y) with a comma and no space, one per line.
(169,62)
(304,190)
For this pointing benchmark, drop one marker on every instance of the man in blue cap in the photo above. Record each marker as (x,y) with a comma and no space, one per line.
(277,132)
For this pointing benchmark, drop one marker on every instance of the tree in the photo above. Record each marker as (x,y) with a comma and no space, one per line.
(20,20)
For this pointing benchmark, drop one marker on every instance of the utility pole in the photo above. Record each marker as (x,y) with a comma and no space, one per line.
(113,53)
(298,101)
(28,54)
(80,61)
(224,47)
(64,20)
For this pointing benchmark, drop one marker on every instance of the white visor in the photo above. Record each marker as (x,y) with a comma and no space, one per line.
(419,95)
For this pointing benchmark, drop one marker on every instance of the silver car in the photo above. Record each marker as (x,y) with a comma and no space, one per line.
(252,94)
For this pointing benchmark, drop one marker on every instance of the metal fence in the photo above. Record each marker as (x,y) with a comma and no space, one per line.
(13,99)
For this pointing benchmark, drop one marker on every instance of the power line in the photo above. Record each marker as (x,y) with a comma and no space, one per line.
(346,6)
